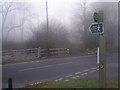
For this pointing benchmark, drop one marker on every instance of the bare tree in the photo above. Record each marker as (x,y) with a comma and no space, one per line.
(6,9)
(57,35)
(82,20)
(9,8)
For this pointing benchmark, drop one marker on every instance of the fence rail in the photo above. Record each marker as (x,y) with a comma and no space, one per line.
(53,52)
(32,54)
(19,55)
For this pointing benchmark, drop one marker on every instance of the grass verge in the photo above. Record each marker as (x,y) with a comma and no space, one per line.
(75,84)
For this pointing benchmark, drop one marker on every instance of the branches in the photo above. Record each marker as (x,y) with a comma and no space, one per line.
(7,9)
(13,27)
(5,6)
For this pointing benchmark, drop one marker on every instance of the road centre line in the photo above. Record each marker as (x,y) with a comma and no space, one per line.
(45,66)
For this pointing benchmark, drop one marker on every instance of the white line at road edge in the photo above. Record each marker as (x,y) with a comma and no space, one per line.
(60,78)
(92,71)
(45,66)
(86,70)
(74,77)
(56,80)
(77,72)
(69,75)
(93,68)
(66,80)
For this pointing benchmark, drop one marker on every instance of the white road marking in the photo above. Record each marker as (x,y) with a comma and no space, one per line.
(92,71)
(74,77)
(56,80)
(60,78)
(45,66)
(97,69)
(66,80)
(93,68)
(40,82)
(31,84)
(69,76)
(77,72)
(84,74)
(37,83)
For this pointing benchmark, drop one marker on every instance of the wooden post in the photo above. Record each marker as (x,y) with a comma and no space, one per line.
(10,85)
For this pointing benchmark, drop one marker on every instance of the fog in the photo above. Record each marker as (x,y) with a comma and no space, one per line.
(24,24)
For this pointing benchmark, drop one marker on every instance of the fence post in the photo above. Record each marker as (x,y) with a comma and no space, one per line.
(39,52)
(10,85)
(68,51)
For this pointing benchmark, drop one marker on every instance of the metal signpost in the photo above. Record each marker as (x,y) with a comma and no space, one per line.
(98,28)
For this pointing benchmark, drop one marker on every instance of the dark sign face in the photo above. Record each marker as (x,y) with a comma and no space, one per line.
(96,28)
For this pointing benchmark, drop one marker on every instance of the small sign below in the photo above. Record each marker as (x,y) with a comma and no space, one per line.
(101,66)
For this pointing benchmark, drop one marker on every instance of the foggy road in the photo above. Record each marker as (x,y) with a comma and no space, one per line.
(32,29)
(81,67)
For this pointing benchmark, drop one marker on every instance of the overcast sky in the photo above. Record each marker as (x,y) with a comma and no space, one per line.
(58,9)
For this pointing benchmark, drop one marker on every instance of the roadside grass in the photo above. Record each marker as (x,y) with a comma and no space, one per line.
(75,84)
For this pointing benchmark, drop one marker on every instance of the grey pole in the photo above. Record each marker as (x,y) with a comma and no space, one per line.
(102,63)
(47,29)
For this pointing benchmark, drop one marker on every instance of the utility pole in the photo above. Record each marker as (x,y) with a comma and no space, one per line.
(102,64)
(102,45)
(47,37)
(98,28)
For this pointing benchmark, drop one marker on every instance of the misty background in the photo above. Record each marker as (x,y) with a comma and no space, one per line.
(23,24)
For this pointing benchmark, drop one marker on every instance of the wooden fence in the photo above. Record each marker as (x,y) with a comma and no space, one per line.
(55,52)
(32,54)
(23,54)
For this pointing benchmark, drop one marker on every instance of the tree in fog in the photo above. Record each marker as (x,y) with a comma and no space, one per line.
(16,16)
(57,35)
(82,20)
(83,17)
(118,25)
(13,17)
